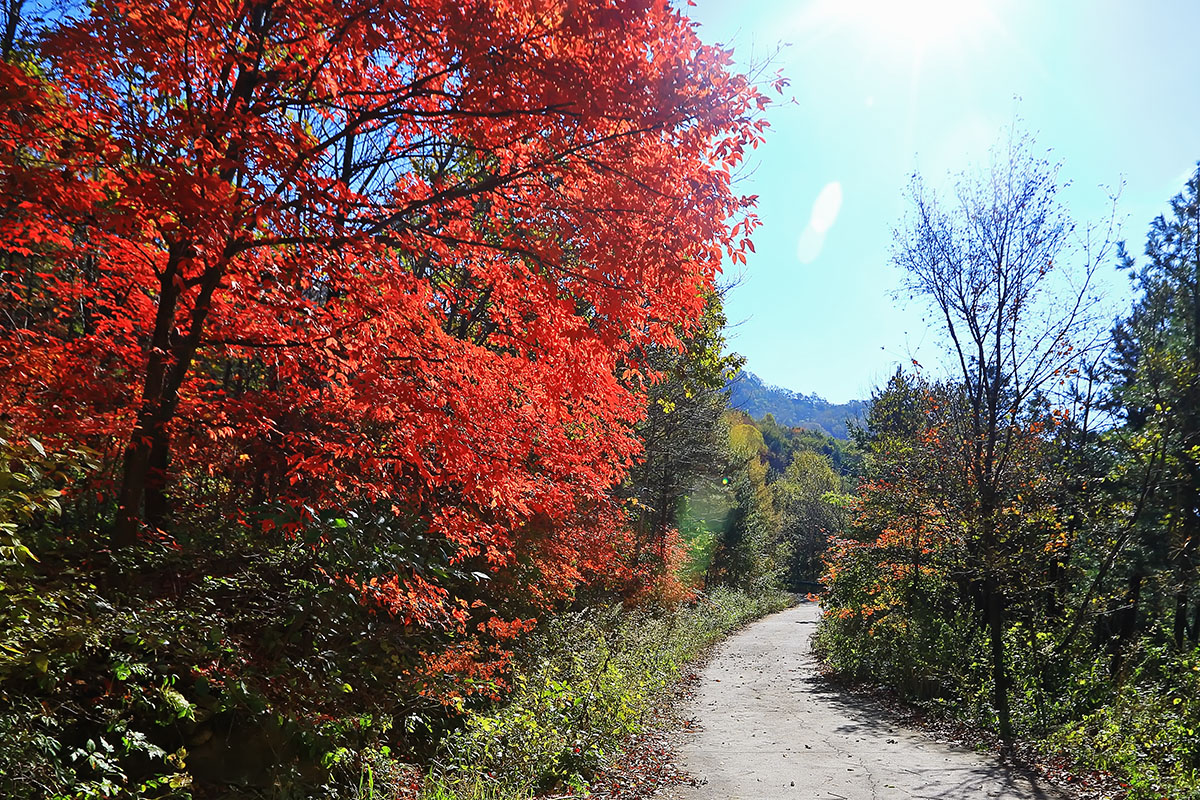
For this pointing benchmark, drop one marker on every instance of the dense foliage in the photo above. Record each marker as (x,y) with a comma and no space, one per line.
(340,343)
(787,489)
(1022,551)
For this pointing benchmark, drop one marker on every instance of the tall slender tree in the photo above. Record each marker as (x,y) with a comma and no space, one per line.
(684,438)
(1010,281)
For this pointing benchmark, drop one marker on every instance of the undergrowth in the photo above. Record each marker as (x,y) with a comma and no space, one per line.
(584,685)
(1140,725)
(1145,734)
(223,664)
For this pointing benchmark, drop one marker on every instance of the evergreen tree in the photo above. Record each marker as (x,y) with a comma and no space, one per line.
(683,435)
(1156,385)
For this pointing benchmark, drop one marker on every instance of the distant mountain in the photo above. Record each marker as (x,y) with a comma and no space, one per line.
(791,409)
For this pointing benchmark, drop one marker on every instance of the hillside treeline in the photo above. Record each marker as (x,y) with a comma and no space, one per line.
(794,409)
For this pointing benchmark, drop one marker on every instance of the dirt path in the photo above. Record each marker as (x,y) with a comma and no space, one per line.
(767,728)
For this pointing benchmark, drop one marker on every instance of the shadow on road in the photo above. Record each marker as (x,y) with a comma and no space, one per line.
(770,726)
(874,717)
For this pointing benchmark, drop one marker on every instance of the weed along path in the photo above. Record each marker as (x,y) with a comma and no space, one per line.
(766,727)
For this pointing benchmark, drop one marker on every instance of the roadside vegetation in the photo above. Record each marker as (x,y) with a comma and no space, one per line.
(584,685)
(1023,550)
(341,438)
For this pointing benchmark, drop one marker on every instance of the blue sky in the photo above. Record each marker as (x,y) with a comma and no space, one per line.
(886,87)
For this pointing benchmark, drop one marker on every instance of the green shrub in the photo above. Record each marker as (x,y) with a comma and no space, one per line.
(241,674)
(31,482)
(1147,734)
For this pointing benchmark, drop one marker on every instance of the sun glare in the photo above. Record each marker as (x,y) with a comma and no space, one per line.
(921,22)
(907,26)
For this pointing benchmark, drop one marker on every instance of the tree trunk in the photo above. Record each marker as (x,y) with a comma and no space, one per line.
(149,433)
(142,497)
(156,501)
(1181,609)
(995,616)
(133,488)
(1126,623)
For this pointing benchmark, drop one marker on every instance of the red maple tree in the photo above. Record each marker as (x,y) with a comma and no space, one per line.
(397,253)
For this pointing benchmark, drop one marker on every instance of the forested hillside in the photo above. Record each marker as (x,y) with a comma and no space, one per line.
(749,393)
(790,490)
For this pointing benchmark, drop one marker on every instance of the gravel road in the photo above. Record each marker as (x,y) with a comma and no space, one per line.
(767,728)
